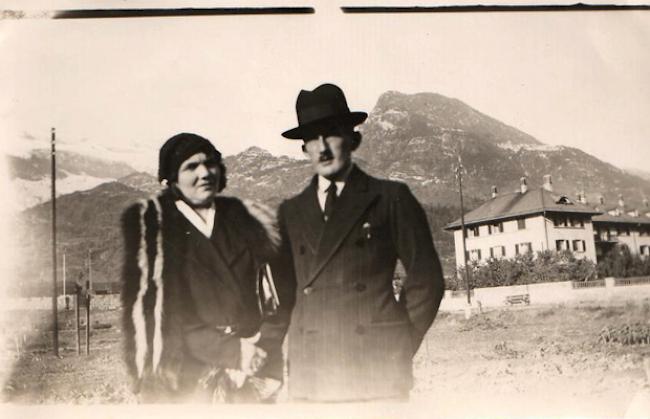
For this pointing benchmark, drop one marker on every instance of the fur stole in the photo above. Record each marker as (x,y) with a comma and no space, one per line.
(150,348)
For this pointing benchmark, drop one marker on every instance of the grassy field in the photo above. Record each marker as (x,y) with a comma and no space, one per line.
(524,361)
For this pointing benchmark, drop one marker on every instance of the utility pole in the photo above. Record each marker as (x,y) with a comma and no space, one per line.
(89,285)
(64,288)
(55,320)
(90,270)
(459,174)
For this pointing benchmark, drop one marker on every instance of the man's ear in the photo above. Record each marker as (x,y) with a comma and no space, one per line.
(356,140)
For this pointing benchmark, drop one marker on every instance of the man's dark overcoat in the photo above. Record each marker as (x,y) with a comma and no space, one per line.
(187,298)
(349,339)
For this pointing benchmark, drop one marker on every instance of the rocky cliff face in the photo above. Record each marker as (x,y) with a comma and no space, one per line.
(418,138)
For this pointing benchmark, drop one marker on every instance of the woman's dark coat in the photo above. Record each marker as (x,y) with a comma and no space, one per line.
(187,298)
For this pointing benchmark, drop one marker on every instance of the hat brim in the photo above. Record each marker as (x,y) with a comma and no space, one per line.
(298,133)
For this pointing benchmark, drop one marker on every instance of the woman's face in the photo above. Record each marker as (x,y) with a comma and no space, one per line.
(198,179)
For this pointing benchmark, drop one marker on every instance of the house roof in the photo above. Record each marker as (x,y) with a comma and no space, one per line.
(621,219)
(534,201)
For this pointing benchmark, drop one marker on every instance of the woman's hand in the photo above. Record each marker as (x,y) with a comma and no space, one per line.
(252,358)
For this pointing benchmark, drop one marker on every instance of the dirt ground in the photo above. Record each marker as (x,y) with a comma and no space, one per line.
(518,361)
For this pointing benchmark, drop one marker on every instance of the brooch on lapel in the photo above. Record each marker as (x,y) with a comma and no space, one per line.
(366,230)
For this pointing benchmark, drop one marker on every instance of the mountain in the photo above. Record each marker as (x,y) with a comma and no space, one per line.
(30,175)
(643,174)
(141,181)
(257,174)
(36,166)
(412,138)
(85,220)
(417,139)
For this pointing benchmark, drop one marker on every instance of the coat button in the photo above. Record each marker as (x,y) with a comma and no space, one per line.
(360,287)
(360,330)
(307,290)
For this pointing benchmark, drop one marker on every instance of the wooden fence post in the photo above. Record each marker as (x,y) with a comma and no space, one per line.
(76,323)
(87,317)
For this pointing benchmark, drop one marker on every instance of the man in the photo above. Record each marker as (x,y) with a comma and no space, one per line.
(349,338)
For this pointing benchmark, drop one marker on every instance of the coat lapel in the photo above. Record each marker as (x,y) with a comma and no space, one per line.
(215,253)
(224,233)
(310,215)
(351,205)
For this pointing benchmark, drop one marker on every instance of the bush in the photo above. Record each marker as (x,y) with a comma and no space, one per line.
(621,263)
(546,266)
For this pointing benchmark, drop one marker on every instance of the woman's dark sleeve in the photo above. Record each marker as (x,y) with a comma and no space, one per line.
(274,328)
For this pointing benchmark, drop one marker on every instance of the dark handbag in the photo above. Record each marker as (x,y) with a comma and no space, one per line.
(267,293)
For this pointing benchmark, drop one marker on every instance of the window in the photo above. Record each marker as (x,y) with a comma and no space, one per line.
(579,245)
(577,222)
(497,252)
(475,231)
(625,231)
(475,254)
(644,250)
(522,248)
(495,228)
(605,235)
(560,221)
(521,224)
(561,245)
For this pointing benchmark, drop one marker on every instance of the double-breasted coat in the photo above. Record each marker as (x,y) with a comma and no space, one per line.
(349,338)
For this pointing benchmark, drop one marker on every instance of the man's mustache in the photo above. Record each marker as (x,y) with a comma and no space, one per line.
(325,156)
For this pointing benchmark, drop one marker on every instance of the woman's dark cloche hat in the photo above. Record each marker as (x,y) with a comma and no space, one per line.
(179,148)
(321,106)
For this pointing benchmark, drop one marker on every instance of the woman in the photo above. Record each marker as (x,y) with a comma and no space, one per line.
(192,312)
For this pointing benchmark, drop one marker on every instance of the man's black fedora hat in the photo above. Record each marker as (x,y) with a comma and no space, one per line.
(322,106)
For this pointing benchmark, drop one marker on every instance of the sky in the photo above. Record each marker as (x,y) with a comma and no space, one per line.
(120,87)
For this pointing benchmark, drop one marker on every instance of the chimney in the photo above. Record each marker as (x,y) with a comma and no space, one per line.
(601,200)
(582,198)
(645,203)
(494,191)
(621,202)
(523,185)
(548,183)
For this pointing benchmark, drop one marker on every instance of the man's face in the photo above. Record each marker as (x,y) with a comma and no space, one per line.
(330,151)
(198,179)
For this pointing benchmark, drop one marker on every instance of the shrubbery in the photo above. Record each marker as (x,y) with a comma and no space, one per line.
(546,266)
(621,263)
(549,266)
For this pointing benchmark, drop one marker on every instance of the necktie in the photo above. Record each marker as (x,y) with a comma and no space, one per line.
(329,201)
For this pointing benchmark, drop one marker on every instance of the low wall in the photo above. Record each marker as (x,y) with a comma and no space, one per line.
(609,289)
(100,302)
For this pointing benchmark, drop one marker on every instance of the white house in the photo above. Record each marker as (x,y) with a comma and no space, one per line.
(526,221)
(622,226)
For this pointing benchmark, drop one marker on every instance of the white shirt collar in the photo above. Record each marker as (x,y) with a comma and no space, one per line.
(204,227)
(324,183)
